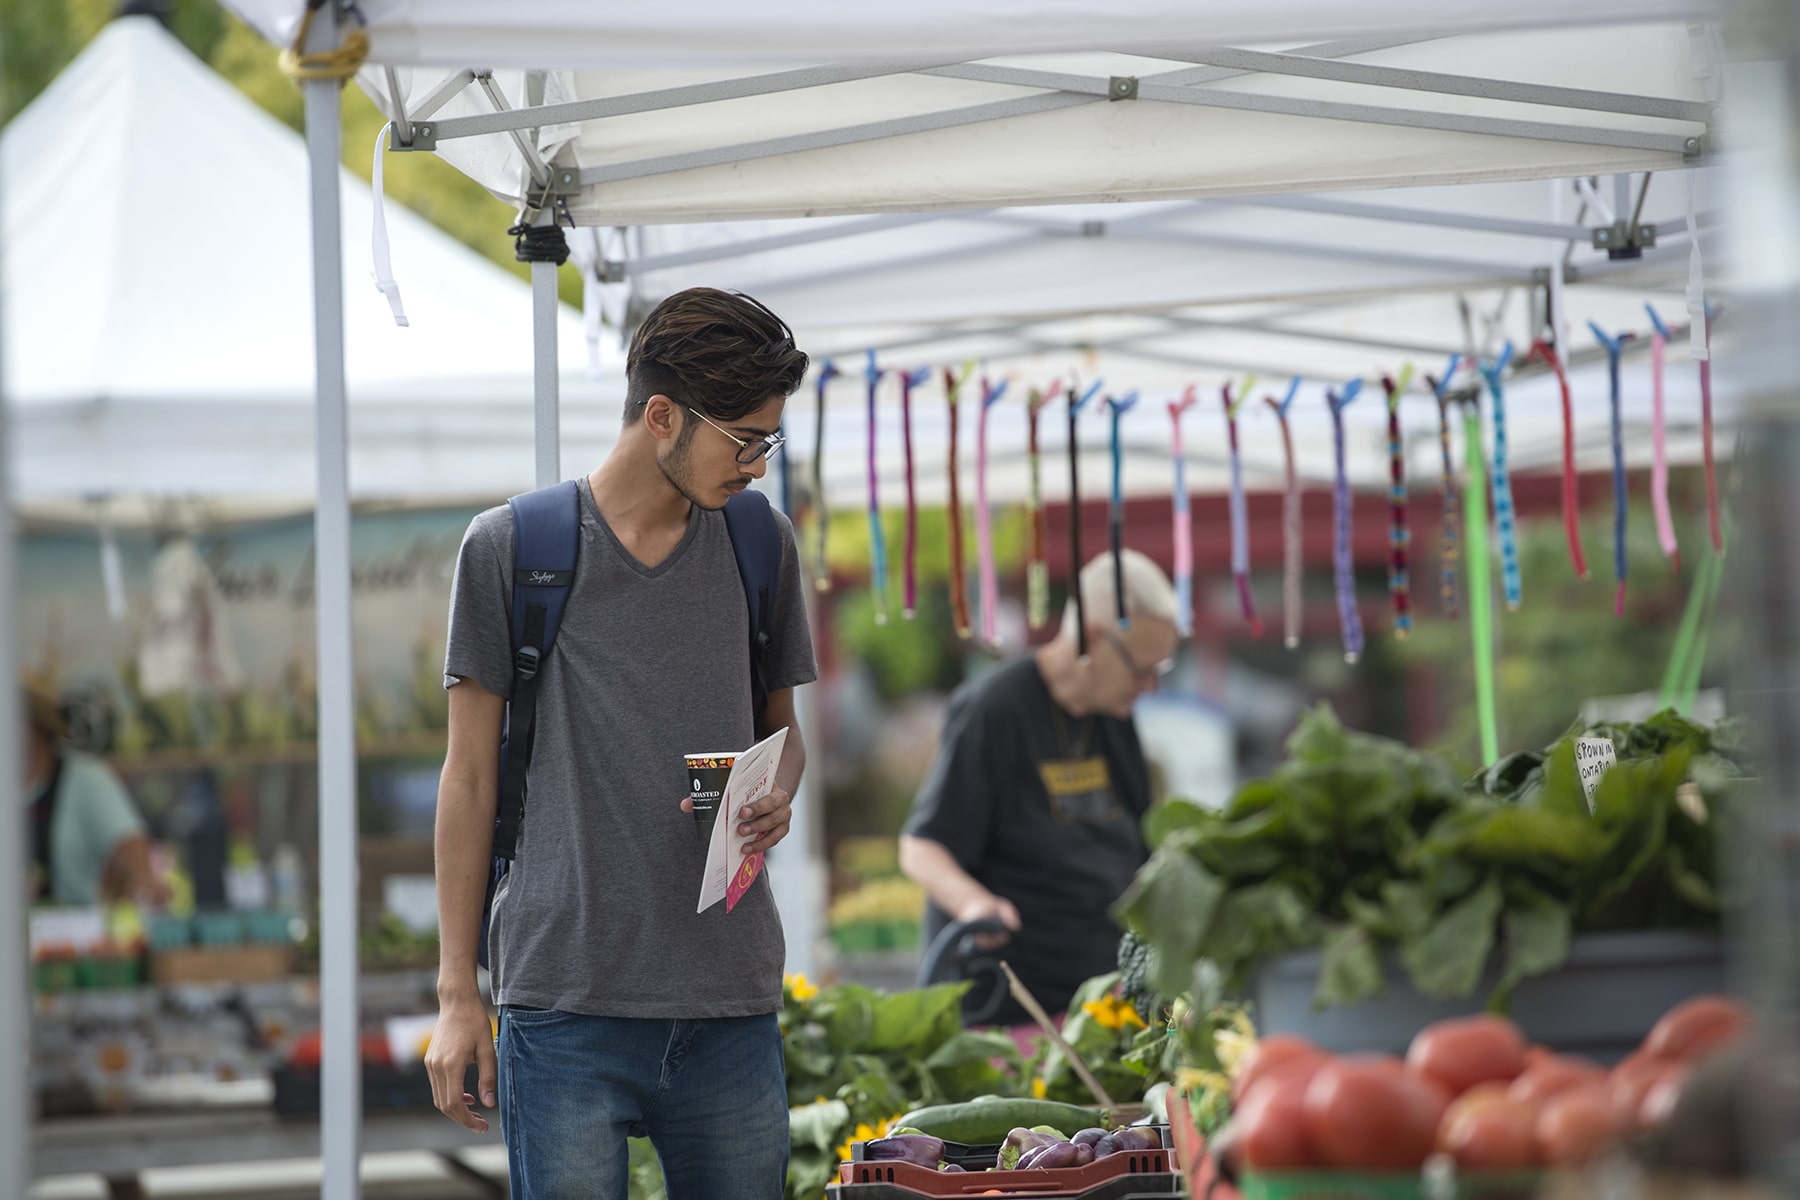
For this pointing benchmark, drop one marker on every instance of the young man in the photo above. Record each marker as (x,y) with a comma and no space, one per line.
(1031,812)
(623,1012)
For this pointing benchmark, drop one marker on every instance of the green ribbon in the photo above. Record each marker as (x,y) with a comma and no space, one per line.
(1481,596)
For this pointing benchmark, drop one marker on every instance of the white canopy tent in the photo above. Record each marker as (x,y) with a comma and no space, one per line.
(681,126)
(153,352)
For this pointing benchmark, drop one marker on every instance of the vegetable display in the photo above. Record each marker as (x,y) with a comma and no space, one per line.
(1357,844)
(1474,1092)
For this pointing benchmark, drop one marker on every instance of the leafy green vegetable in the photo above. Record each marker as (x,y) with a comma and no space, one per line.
(1364,846)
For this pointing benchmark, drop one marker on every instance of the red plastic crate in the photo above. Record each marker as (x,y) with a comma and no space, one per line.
(1050,1181)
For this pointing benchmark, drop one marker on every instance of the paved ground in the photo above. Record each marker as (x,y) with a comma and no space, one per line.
(401,1176)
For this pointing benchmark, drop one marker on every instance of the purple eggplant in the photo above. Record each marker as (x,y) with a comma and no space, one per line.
(918,1148)
(950,1168)
(1062,1154)
(1084,1154)
(1087,1137)
(1017,1144)
(1106,1145)
(1138,1138)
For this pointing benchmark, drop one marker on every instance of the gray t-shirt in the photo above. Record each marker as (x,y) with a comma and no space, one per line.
(597,914)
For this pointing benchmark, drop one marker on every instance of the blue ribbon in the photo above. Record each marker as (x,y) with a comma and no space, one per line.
(1505,517)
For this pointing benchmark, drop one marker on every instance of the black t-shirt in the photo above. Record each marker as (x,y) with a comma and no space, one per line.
(1044,809)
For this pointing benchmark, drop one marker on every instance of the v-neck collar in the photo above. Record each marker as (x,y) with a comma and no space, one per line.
(627,557)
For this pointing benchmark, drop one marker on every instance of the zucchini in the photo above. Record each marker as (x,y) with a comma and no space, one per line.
(984,1122)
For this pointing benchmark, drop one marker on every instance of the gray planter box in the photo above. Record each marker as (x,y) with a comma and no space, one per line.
(1600,1003)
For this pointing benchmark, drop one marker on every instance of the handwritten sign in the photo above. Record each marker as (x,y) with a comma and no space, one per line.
(1594,757)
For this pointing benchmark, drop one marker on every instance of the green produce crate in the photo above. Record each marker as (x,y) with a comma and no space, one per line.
(218,928)
(169,933)
(1332,1185)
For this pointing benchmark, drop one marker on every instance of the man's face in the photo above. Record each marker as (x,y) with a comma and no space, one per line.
(701,461)
(1127,663)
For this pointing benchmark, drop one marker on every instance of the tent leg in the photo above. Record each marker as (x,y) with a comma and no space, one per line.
(15,1006)
(544,365)
(340,1113)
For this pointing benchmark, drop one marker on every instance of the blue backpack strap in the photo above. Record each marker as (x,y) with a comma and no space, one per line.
(546,535)
(756,543)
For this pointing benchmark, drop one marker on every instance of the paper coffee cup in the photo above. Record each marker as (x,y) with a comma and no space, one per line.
(707,774)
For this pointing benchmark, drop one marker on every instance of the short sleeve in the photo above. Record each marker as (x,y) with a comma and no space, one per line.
(103,809)
(955,805)
(791,661)
(479,643)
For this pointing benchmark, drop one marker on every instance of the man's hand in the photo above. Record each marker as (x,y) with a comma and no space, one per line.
(463,1036)
(987,906)
(767,820)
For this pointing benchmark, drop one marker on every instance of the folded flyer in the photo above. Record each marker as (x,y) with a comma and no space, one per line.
(729,872)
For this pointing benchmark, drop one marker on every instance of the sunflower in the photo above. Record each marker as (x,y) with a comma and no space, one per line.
(799,987)
(1113,1013)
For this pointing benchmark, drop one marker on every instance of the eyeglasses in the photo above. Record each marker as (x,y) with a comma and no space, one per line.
(748,451)
(1148,674)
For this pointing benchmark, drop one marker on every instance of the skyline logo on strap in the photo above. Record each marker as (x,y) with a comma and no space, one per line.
(535,577)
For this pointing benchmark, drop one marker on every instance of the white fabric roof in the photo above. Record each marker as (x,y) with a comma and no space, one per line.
(159,334)
(556,33)
(657,144)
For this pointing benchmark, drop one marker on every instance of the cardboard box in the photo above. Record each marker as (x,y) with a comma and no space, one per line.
(222,964)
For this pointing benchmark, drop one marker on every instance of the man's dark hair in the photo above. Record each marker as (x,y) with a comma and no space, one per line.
(720,352)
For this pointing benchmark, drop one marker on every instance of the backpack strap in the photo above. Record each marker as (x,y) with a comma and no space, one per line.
(756,543)
(546,534)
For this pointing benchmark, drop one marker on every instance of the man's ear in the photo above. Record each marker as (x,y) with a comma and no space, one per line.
(659,416)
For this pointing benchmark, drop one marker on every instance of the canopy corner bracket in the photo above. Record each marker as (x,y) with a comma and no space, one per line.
(420,135)
(1122,87)
(1622,239)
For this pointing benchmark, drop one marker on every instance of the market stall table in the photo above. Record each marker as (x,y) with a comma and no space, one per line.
(121,1148)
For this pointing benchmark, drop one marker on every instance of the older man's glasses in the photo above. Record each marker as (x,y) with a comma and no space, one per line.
(748,451)
(1148,674)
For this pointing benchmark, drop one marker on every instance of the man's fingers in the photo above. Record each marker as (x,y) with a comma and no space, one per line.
(487,1071)
(687,804)
(474,1120)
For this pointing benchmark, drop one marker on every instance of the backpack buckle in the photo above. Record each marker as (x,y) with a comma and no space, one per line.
(525,661)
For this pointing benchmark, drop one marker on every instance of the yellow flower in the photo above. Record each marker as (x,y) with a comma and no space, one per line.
(1188,1079)
(1037,1088)
(1234,1042)
(864,1132)
(799,988)
(1110,1012)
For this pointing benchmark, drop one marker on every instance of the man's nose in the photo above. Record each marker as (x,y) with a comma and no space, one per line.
(757,467)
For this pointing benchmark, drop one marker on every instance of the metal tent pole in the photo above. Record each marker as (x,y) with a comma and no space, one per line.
(15,1003)
(340,1112)
(1760,370)
(543,364)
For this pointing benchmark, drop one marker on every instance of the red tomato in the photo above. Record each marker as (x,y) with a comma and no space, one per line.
(1548,1076)
(1269,1053)
(1631,1081)
(1368,1116)
(1695,1027)
(1297,1070)
(1272,1126)
(306,1050)
(1660,1097)
(1496,1134)
(1577,1126)
(1481,1096)
(1469,1050)
(1536,1053)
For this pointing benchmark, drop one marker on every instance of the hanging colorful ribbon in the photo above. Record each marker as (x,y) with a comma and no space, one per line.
(1399,536)
(984,524)
(1571,487)
(1659,450)
(1182,518)
(1451,499)
(1481,596)
(1700,318)
(877,541)
(1076,404)
(821,514)
(1344,569)
(959,591)
(1614,347)
(1713,527)
(1115,517)
(1505,520)
(1291,548)
(1037,566)
(1240,521)
(908,381)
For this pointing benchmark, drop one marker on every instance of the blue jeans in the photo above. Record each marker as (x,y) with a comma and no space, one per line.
(711,1095)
